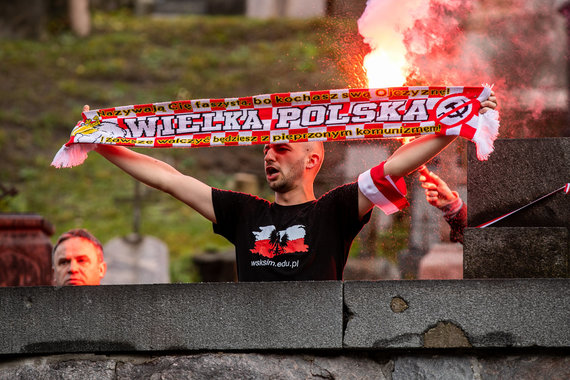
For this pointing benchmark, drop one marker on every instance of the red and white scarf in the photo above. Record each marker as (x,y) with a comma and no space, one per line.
(331,115)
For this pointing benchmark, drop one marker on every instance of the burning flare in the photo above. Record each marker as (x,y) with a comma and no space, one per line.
(385,68)
(382,25)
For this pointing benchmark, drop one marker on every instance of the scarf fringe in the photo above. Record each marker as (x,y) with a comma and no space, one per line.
(72,155)
(486,134)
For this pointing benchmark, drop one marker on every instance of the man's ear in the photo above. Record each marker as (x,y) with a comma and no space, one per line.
(313,160)
(102,269)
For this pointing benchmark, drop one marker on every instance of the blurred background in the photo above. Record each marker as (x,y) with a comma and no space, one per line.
(57,55)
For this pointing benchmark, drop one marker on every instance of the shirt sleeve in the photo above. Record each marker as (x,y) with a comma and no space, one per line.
(386,192)
(228,206)
(457,221)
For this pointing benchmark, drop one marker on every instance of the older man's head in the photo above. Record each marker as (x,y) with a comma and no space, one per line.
(78,259)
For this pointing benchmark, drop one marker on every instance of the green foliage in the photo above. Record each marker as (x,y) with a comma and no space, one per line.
(130,60)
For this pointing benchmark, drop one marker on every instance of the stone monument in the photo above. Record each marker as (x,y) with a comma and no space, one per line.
(136,259)
(25,250)
(534,241)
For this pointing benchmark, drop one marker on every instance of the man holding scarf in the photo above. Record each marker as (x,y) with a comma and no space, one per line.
(297,237)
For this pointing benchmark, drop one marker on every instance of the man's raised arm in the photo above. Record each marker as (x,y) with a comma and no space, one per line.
(402,162)
(405,160)
(162,176)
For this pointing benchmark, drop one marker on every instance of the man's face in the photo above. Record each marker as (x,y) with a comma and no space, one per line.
(76,263)
(284,165)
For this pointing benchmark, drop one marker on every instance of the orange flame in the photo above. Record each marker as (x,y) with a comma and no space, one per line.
(385,68)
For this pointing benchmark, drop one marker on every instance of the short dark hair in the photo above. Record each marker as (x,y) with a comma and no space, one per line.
(81,233)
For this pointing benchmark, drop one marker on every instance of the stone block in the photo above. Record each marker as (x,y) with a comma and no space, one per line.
(494,366)
(516,252)
(173,317)
(457,313)
(254,366)
(518,172)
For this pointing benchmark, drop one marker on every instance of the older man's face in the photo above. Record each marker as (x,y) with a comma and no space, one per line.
(76,262)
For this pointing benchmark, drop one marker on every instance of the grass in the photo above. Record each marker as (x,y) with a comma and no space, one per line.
(130,60)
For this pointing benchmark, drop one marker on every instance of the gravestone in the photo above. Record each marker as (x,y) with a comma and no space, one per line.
(359,158)
(300,9)
(216,266)
(534,241)
(136,259)
(426,219)
(25,250)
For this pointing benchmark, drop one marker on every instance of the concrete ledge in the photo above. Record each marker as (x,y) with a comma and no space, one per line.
(173,317)
(522,313)
(457,313)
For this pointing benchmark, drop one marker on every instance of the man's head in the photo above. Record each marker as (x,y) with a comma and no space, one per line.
(78,259)
(290,165)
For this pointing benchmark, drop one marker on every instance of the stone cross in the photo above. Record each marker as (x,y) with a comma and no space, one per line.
(138,200)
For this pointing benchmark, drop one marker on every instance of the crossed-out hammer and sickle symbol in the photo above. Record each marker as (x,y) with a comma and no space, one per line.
(459,113)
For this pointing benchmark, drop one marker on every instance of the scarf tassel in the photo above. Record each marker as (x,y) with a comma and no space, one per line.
(486,134)
(72,155)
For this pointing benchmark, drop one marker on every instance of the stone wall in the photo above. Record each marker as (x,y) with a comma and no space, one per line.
(470,329)
(230,366)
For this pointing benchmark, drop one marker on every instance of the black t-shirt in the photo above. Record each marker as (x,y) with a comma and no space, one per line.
(309,241)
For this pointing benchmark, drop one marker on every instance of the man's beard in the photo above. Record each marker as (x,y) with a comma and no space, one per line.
(281,186)
(287,182)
